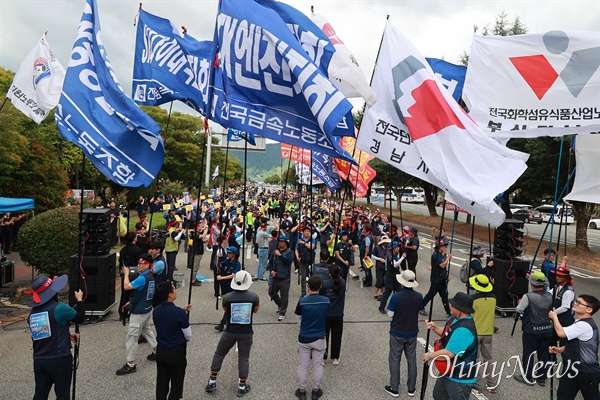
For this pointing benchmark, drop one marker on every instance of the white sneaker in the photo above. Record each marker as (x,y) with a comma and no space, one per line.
(281,318)
(336,361)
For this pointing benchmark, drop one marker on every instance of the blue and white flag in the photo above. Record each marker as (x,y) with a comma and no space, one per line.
(452,76)
(266,83)
(325,169)
(235,135)
(95,114)
(168,66)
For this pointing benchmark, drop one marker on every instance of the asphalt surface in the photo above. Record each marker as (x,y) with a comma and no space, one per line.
(362,373)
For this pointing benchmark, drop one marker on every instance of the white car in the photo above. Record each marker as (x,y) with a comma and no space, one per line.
(594,223)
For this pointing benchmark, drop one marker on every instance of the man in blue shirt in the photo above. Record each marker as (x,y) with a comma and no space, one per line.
(140,307)
(312,311)
(403,309)
(457,345)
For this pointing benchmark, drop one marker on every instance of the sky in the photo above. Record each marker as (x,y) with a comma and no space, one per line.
(440,29)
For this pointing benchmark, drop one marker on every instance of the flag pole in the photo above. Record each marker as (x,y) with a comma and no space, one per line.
(195,228)
(425,376)
(470,248)
(3,103)
(78,275)
(243,210)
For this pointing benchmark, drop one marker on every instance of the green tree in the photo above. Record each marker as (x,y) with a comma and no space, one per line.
(48,240)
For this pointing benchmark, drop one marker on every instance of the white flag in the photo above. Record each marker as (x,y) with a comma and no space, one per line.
(216,173)
(539,84)
(344,71)
(37,85)
(586,187)
(384,134)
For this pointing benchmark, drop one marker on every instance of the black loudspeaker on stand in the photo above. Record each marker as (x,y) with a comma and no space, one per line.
(99,281)
(96,231)
(510,282)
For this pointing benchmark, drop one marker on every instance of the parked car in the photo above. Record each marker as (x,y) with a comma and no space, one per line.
(594,223)
(546,210)
(528,215)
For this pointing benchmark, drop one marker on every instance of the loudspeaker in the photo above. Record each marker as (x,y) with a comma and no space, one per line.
(100,298)
(96,214)
(7,272)
(510,282)
(96,249)
(99,270)
(506,239)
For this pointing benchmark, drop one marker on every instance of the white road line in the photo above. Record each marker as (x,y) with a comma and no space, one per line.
(474,392)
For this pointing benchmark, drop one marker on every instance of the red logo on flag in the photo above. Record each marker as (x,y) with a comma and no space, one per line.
(537,72)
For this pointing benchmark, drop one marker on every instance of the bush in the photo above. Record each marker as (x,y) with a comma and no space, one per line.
(48,240)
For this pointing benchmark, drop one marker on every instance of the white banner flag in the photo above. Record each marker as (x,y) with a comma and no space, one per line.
(586,187)
(216,173)
(37,85)
(467,170)
(344,71)
(541,84)
(303,173)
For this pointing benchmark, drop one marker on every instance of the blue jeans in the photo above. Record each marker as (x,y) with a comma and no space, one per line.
(263,257)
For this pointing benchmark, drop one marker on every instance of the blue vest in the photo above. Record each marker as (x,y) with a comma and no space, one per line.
(464,364)
(159,278)
(584,352)
(566,318)
(405,322)
(141,300)
(50,339)
(535,316)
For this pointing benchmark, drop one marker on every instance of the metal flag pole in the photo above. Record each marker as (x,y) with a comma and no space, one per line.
(78,276)
(425,376)
(195,228)
(243,209)
(3,103)
(470,249)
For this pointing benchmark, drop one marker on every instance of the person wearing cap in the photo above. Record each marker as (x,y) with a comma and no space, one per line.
(484,304)
(140,306)
(404,311)
(175,232)
(305,254)
(411,248)
(312,312)
(476,266)
(240,305)
(49,328)
(458,345)
(580,352)
(392,268)
(380,255)
(537,329)
(342,254)
(565,295)
(173,331)
(280,266)
(440,260)
(227,270)
(548,265)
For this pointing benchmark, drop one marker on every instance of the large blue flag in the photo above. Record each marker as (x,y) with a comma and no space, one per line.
(234,135)
(325,169)
(168,66)
(95,114)
(266,83)
(452,76)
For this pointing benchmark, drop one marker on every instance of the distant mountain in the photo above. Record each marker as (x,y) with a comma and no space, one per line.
(261,162)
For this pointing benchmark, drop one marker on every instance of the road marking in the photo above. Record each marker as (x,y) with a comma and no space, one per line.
(474,392)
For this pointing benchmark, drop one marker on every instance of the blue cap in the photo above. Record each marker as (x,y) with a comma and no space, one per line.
(395,244)
(234,250)
(283,238)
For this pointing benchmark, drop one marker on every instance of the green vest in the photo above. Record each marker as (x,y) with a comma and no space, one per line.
(170,244)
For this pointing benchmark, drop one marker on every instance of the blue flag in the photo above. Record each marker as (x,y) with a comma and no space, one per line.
(266,83)
(169,67)
(452,76)
(95,114)
(317,45)
(325,169)
(234,135)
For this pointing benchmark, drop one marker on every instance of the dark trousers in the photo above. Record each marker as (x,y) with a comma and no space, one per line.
(171,258)
(279,291)
(535,343)
(411,264)
(303,274)
(391,285)
(170,368)
(334,329)
(584,382)
(440,288)
(227,341)
(53,371)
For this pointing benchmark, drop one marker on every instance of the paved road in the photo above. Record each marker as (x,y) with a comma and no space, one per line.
(362,373)
(533,230)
